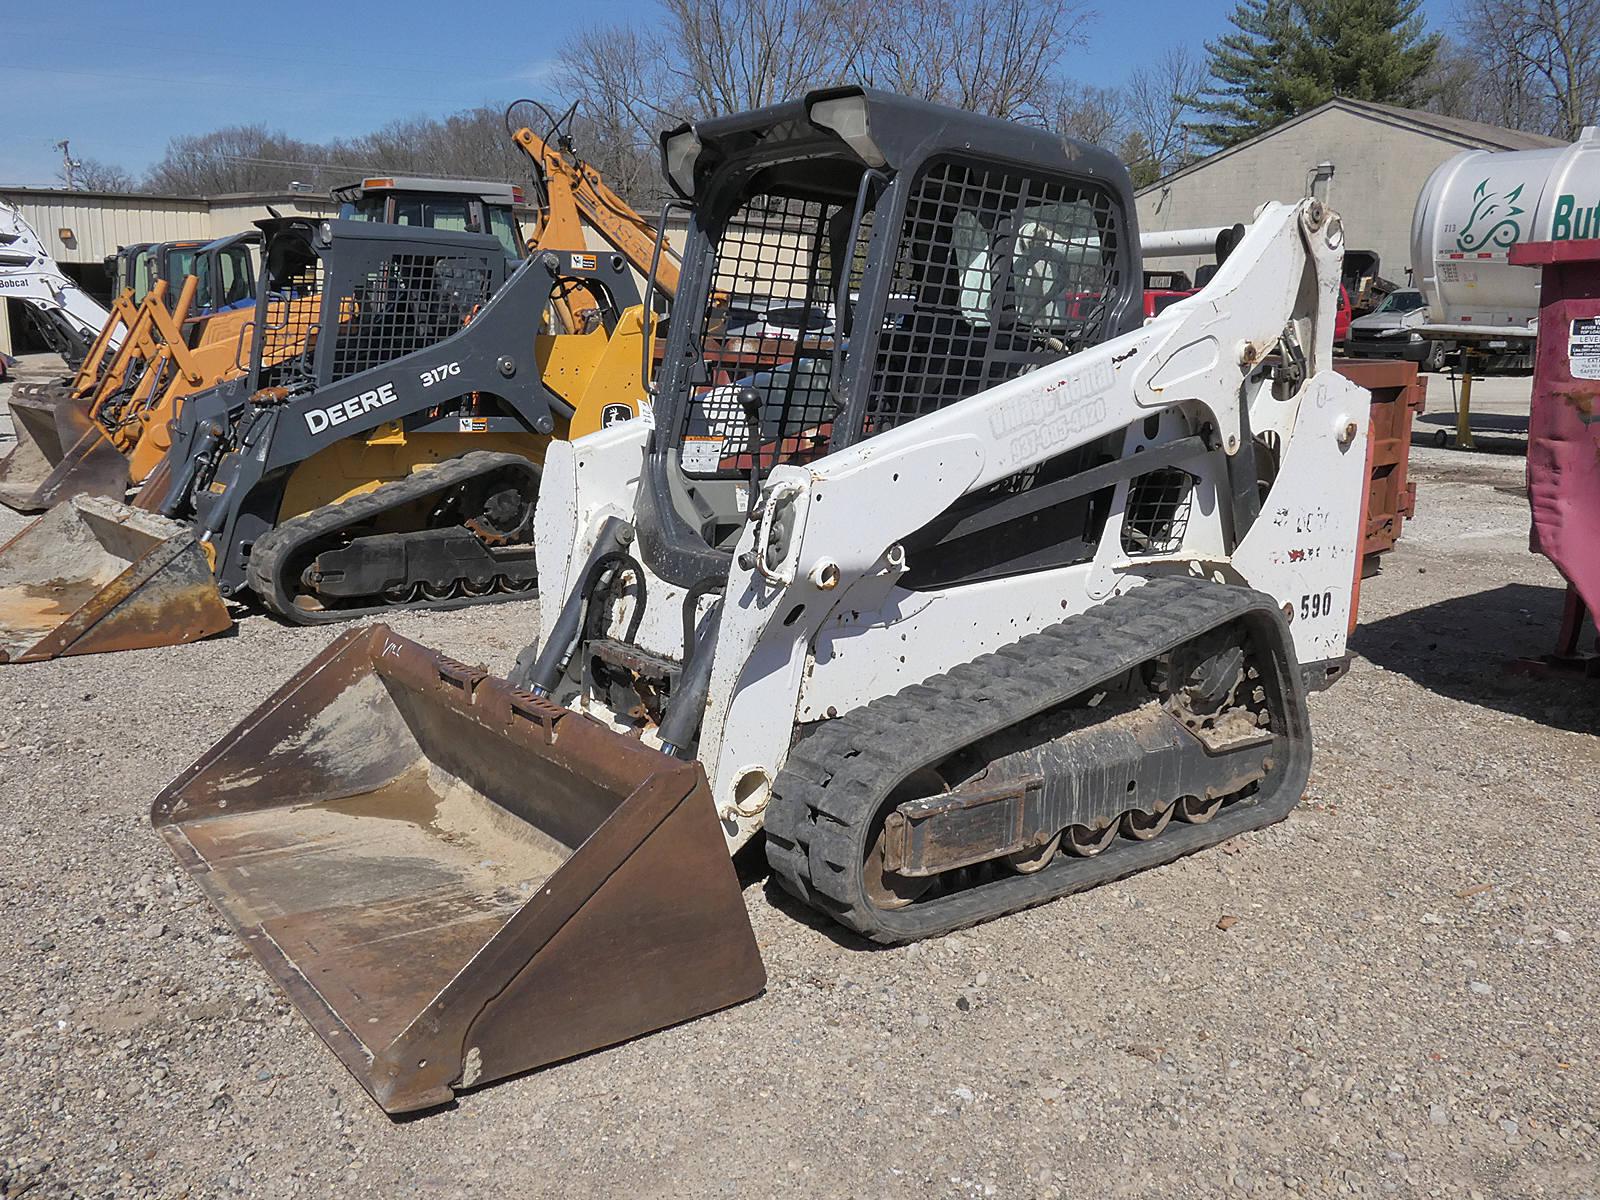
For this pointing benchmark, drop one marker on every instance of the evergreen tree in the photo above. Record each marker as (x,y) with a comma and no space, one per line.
(1142,165)
(1366,50)
(1286,56)
(1251,73)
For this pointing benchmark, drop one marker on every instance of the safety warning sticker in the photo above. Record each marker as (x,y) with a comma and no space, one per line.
(701,454)
(1583,348)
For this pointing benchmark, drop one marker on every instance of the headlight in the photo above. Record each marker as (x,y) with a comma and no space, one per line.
(847,116)
(1416,337)
(679,151)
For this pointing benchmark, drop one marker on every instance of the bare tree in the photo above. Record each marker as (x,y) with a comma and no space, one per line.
(708,56)
(1457,85)
(92,175)
(238,158)
(1160,102)
(1098,115)
(990,56)
(626,93)
(471,144)
(714,56)
(731,55)
(1538,63)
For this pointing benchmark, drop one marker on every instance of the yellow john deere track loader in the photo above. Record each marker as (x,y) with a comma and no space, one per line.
(989,593)
(371,455)
(72,435)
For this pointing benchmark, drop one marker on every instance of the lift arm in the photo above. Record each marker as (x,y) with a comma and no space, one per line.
(28,273)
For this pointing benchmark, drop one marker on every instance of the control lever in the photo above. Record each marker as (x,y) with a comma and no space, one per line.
(750,401)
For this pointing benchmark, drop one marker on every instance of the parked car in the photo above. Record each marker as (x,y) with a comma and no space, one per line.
(1389,331)
(1162,288)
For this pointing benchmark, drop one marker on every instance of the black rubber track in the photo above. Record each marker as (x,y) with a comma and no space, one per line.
(275,550)
(837,779)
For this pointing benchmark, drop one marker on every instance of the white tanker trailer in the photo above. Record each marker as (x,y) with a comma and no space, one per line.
(1477,205)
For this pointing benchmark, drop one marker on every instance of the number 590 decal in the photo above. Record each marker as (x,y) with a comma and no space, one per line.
(1314,605)
(435,375)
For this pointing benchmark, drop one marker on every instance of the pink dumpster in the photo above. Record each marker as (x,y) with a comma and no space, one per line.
(1564,432)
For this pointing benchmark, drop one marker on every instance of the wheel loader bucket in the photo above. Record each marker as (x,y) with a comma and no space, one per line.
(92,575)
(455,881)
(61,452)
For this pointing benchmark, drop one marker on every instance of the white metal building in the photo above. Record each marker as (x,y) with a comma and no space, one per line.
(1379,156)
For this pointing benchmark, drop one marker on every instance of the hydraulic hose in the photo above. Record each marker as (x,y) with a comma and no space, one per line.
(178,493)
(541,675)
(683,714)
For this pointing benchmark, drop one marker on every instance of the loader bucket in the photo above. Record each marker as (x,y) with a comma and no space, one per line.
(455,881)
(38,447)
(153,491)
(92,575)
(40,393)
(61,452)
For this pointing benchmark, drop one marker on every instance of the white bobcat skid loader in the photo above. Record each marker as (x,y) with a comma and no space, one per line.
(68,318)
(984,594)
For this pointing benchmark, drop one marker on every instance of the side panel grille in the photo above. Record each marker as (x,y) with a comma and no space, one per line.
(1157,515)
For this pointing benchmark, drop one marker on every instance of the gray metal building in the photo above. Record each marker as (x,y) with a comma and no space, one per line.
(1379,155)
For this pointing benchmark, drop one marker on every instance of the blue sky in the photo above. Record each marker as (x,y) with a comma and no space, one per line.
(119,79)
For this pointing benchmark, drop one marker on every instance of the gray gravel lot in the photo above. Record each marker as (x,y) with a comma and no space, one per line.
(1404,1003)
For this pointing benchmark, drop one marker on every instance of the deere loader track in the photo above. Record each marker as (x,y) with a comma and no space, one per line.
(830,798)
(485,565)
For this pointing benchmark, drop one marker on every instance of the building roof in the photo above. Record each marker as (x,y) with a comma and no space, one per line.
(1469,135)
(1487,137)
(500,193)
(78,195)
(46,194)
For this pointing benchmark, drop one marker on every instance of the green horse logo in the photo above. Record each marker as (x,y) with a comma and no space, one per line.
(1493,221)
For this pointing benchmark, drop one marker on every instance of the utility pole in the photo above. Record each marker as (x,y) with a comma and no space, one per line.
(69,165)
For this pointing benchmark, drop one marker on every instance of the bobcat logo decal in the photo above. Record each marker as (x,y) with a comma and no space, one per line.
(1493,221)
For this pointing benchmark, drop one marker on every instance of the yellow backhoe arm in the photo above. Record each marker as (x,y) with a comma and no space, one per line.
(577,195)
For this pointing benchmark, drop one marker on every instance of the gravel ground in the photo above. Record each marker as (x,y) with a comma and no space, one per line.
(1401,1003)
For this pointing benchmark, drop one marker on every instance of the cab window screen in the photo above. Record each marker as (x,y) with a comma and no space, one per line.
(203,285)
(996,272)
(368,208)
(144,274)
(236,271)
(769,329)
(180,265)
